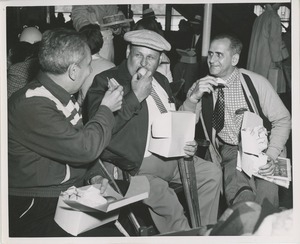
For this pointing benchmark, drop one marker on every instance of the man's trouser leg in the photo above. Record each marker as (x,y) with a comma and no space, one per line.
(165,208)
(266,190)
(238,186)
(209,182)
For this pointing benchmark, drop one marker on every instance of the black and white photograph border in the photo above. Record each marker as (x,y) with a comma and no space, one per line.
(295,158)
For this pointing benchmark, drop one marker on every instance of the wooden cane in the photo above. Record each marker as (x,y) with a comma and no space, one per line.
(188,177)
(192,180)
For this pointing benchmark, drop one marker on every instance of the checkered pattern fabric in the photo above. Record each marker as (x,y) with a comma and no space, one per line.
(234,100)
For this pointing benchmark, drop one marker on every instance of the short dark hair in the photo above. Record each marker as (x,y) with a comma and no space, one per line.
(91,33)
(59,48)
(235,44)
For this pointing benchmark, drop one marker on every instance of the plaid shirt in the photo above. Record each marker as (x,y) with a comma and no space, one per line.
(234,100)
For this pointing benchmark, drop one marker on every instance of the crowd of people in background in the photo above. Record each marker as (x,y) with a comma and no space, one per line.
(178,66)
(59,83)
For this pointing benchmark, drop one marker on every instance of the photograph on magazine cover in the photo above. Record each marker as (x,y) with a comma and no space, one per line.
(141,122)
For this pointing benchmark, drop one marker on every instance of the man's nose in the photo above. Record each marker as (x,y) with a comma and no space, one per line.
(212,59)
(143,62)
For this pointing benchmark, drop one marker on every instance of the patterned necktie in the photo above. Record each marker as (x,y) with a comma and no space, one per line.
(158,102)
(218,114)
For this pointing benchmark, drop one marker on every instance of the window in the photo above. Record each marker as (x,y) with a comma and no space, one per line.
(160,12)
(283,12)
(65,9)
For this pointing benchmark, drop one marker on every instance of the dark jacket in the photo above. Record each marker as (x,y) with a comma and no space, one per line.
(127,146)
(49,150)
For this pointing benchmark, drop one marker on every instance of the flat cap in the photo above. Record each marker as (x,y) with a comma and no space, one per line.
(147,38)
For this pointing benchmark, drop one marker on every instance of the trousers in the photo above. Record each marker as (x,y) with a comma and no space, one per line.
(165,209)
(239,187)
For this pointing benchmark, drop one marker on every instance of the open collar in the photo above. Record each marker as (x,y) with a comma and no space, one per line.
(61,94)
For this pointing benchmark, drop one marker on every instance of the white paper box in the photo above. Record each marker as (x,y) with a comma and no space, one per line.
(75,217)
(170,132)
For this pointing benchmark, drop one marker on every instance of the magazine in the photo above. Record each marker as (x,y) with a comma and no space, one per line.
(282,174)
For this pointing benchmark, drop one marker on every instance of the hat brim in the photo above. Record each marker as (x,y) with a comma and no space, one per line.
(117,22)
(196,22)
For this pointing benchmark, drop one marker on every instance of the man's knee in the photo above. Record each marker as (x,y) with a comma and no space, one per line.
(216,172)
(209,170)
(158,189)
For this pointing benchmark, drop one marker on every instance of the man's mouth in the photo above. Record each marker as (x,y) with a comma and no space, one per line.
(214,66)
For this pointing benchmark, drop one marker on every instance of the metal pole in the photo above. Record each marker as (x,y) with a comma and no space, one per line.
(206,28)
(168,17)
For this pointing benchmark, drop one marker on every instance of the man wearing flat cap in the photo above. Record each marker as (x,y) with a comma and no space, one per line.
(128,148)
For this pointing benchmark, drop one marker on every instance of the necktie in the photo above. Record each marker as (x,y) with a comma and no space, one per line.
(218,114)
(158,102)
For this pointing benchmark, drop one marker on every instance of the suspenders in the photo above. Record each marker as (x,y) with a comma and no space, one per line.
(254,94)
(207,108)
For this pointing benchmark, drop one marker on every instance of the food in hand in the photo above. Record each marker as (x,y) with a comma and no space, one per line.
(141,72)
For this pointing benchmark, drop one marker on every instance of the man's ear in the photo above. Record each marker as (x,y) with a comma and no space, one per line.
(235,59)
(72,71)
(127,51)
(160,59)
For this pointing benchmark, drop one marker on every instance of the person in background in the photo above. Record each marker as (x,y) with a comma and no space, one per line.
(93,14)
(265,48)
(189,66)
(146,96)
(49,148)
(22,60)
(287,63)
(196,41)
(150,15)
(217,110)
(91,33)
(118,25)
(184,26)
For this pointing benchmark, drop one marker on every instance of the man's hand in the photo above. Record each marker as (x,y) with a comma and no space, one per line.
(98,179)
(113,98)
(142,85)
(190,149)
(268,168)
(204,85)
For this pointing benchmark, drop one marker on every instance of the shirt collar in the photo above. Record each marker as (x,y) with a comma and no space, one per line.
(61,94)
(232,78)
